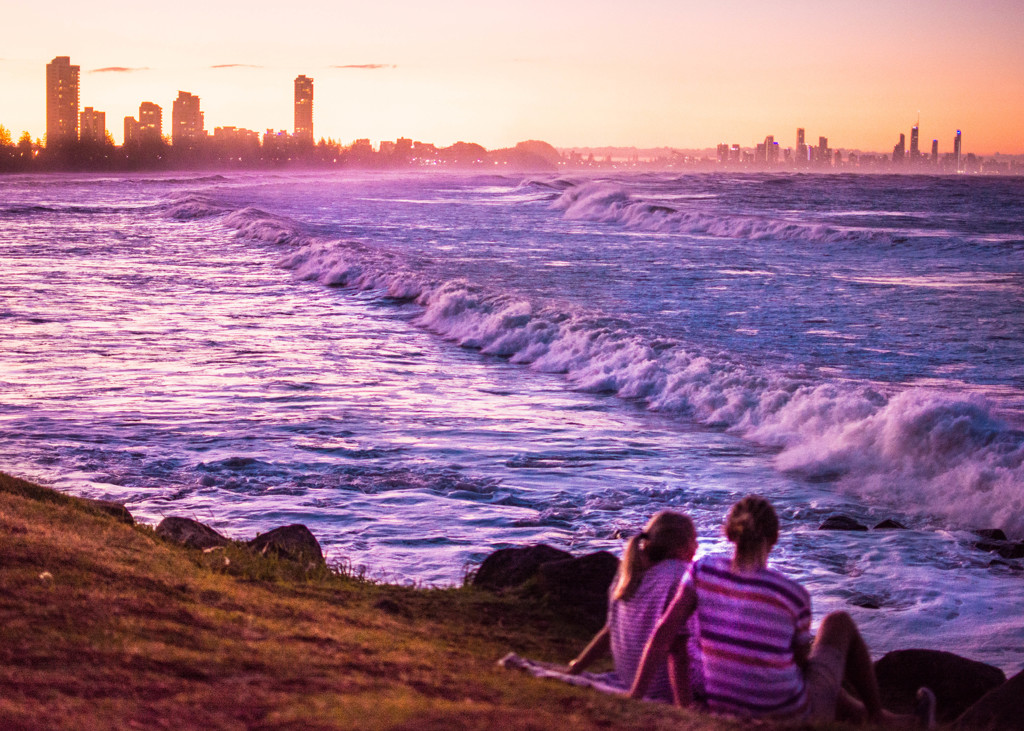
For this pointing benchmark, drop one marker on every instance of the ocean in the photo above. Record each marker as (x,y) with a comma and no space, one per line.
(423,368)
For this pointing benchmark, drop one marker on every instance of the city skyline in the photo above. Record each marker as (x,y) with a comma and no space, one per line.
(662,74)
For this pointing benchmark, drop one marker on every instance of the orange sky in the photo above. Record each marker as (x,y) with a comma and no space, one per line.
(646,73)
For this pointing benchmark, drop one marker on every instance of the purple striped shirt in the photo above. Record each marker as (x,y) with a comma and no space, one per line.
(750,624)
(631,623)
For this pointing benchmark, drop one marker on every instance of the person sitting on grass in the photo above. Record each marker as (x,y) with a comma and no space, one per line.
(653,564)
(755,639)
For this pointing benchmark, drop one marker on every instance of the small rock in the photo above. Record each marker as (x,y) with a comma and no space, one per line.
(389,606)
(956,681)
(993,534)
(998,710)
(46,577)
(841,522)
(117,510)
(294,542)
(190,533)
(509,567)
(581,584)
(890,524)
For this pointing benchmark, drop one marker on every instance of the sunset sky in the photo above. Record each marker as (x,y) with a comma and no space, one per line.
(647,73)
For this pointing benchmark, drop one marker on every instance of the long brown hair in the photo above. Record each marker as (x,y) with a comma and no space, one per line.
(661,538)
(752,521)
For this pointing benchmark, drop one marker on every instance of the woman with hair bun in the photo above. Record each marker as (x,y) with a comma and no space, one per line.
(653,564)
(755,637)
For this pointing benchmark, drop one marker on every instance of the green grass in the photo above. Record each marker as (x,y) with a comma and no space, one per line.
(104,625)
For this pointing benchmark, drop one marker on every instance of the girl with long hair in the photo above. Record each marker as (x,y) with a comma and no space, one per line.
(653,564)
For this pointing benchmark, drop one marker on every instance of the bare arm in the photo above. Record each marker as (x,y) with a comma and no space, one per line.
(597,648)
(657,648)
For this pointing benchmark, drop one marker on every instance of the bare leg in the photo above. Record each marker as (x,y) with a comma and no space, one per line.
(838,630)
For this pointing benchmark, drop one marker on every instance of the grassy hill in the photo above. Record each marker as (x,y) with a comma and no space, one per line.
(105,625)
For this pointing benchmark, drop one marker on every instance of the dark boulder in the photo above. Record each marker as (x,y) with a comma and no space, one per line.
(509,567)
(1001,709)
(841,522)
(581,585)
(992,534)
(109,507)
(293,542)
(189,533)
(1006,549)
(890,524)
(956,681)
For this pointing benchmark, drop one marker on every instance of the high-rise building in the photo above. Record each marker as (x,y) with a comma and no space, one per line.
(915,152)
(957,159)
(801,146)
(187,125)
(151,122)
(935,152)
(899,152)
(92,125)
(131,131)
(61,101)
(304,109)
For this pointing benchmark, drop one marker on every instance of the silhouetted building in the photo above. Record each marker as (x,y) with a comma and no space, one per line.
(915,152)
(899,152)
(131,131)
(723,154)
(801,146)
(92,125)
(151,121)
(304,109)
(957,159)
(186,120)
(824,155)
(935,152)
(61,101)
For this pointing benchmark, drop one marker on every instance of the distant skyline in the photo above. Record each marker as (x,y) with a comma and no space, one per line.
(651,74)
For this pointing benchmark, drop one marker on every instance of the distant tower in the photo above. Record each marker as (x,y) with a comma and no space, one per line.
(131,131)
(304,109)
(151,121)
(93,125)
(186,120)
(801,146)
(899,152)
(935,152)
(956,152)
(915,152)
(61,101)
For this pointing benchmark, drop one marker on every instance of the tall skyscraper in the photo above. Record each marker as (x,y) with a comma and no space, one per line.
(899,152)
(915,152)
(801,146)
(304,109)
(186,120)
(131,131)
(92,125)
(151,121)
(956,152)
(61,101)
(935,152)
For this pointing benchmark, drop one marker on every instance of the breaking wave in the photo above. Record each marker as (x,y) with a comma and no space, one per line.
(916,449)
(610,203)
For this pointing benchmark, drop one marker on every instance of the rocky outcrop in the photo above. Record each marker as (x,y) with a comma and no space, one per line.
(189,533)
(1001,709)
(956,681)
(116,510)
(841,522)
(890,524)
(508,567)
(293,542)
(581,584)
